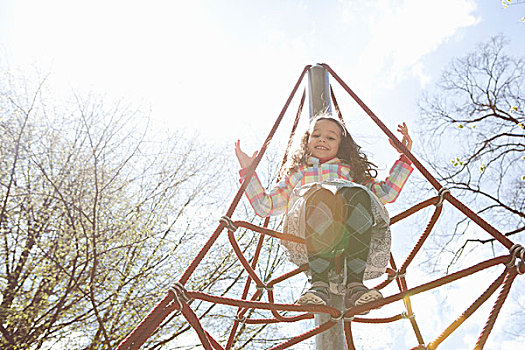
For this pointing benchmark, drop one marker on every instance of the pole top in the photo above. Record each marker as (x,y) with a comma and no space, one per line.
(319,91)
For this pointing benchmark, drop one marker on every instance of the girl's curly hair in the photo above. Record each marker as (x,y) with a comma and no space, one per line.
(361,169)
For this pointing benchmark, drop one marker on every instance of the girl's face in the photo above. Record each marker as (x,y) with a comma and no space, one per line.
(324,139)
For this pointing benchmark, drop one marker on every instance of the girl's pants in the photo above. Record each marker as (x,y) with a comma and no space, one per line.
(338,228)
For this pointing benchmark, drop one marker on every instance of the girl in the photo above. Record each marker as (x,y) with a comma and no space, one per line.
(331,198)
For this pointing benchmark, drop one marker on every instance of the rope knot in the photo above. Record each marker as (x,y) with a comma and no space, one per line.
(230,225)
(516,251)
(340,317)
(180,293)
(405,315)
(441,193)
(396,274)
(264,287)
(240,319)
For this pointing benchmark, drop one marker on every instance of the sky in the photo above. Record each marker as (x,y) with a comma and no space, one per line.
(229,66)
(225,68)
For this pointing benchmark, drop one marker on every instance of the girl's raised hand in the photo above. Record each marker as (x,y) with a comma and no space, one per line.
(244,159)
(406,141)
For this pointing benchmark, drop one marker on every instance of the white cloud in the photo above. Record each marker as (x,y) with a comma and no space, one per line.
(418,70)
(402,35)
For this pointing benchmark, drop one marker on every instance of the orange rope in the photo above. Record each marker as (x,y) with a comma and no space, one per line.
(178,298)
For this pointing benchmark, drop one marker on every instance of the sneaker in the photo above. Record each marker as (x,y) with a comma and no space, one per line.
(318,294)
(357,294)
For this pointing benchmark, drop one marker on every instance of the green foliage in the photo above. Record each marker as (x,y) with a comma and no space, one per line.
(482,168)
(95,219)
(456,162)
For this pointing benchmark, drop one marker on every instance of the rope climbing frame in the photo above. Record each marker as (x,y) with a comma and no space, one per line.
(178,298)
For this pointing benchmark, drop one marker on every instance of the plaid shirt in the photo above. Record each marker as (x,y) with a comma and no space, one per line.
(277,201)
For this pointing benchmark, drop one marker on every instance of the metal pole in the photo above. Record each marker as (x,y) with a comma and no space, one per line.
(319,97)
(319,91)
(332,339)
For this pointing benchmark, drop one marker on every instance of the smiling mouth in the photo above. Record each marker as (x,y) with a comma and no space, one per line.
(321,148)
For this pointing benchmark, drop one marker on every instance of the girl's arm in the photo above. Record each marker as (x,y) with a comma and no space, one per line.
(244,159)
(406,141)
(275,202)
(388,190)
(265,204)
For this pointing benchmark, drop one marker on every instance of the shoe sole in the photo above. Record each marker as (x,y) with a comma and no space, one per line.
(310,299)
(371,295)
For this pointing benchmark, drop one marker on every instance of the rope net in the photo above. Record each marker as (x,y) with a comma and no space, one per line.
(178,298)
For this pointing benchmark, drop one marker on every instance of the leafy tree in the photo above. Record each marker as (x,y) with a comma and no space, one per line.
(476,118)
(98,218)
